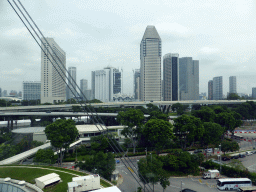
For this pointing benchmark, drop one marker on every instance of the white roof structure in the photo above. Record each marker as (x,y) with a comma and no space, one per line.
(45,180)
(109,189)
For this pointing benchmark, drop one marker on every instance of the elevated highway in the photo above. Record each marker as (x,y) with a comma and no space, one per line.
(161,104)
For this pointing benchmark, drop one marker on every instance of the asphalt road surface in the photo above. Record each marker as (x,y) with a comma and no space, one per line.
(196,183)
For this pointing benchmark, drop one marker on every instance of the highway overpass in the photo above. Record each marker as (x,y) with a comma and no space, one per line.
(160,104)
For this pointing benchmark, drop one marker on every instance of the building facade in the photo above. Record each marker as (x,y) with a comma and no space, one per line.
(188,78)
(150,65)
(171,77)
(117,81)
(53,65)
(105,82)
(254,93)
(71,88)
(83,87)
(217,88)
(232,84)
(136,84)
(0,92)
(31,90)
(210,90)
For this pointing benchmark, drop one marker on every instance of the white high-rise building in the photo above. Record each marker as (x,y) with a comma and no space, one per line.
(150,65)
(217,88)
(106,83)
(53,88)
(71,88)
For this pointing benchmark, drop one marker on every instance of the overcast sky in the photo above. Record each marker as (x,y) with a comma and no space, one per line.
(97,33)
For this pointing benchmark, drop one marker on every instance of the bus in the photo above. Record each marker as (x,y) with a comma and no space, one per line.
(233,183)
(234,156)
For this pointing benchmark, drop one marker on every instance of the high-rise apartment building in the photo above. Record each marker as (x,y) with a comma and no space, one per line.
(150,65)
(171,77)
(254,93)
(83,87)
(105,82)
(217,88)
(188,78)
(53,87)
(117,80)
(71,88)
(31,90)
(136,84)
(232,84)
(210,90)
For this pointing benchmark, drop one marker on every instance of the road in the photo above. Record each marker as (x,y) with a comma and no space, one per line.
(196,183)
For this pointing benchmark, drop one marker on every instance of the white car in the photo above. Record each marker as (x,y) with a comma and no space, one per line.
(248,153)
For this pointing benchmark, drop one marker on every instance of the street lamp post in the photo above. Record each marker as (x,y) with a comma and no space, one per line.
(220,158)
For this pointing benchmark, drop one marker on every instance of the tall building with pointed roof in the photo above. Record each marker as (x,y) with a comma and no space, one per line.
(150,65)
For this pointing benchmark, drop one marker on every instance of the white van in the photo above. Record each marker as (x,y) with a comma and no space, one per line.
(248,153)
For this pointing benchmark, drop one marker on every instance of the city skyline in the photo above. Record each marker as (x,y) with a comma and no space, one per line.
(110,34)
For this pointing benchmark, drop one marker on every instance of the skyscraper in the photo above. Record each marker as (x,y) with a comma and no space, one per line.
(136,84)
(232,84)
(117,86)
(52,84)
(188,78)
(83,87)
(210,90)
(217,88)
(106,83)
(93,85)
(150,65)
(0,92)
(171,77)
(31,90)
(254,93)
(71,88)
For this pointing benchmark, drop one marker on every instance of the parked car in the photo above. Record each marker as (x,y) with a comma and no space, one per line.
(248,153)
(187,190)
(225,159)
(242,155)
(198,151)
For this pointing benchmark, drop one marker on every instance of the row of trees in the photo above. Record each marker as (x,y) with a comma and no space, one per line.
(205,126)
(154,169)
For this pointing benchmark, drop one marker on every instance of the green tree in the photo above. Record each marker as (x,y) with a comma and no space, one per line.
(188,129)
(226,120)
(101,163)
(179,108)
(133,120)
(233,96)
(44,156)
(61,133)
(212,133)
(158,115)
(206,114)
(151,107)
(150,169)
(229,146)
(158,132)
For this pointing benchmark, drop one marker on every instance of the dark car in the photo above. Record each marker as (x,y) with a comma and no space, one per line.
(187,190)
(225,159)
(48,111)
(241,155)
(198,151)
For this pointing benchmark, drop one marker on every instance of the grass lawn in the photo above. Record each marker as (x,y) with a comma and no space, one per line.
(29,173)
